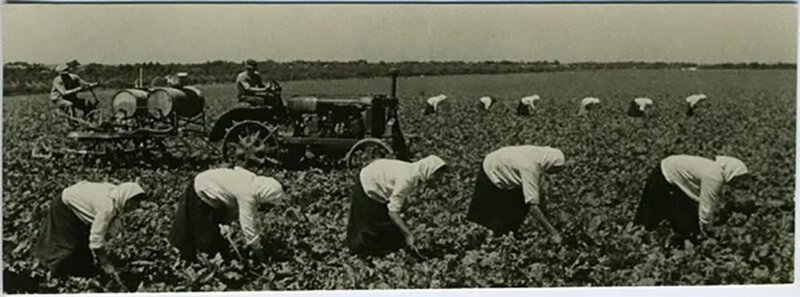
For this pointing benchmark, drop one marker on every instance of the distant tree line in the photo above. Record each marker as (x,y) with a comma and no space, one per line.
(26,78)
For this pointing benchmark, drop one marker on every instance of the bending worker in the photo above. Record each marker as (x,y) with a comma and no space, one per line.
(73,235)
(684,190)
(379,196)
(508,185)
(217,197)
(638,107)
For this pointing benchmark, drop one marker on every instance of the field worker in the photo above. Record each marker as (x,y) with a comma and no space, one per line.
(685,190)
(218,197)
(638,107)
(379,196)
(508,185)
(78,223)
(433,103)
(587,104)
(65,89)
(527,104)
(692,102)
(485,102)
(180,81)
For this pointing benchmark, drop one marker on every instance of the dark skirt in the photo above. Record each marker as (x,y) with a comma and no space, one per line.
(663,201)
(195,227)
(63,243)
(499,210)
(429,109)
(523,110)
(689,110)
(370,230)
(634,111)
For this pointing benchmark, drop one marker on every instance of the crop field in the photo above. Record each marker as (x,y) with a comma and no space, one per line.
(750,115)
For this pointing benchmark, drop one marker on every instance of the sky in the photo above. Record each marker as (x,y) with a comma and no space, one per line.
(114,34)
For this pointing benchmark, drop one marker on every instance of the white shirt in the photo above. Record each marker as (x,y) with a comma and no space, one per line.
(487,101)
(694,99)
(643,103)
(700,178)
(589,101)
(233,190)
(519,166)
(435,100)
(389,181)
(529,100)
(93,204)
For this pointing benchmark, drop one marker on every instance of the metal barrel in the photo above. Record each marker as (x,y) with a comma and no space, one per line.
(186,102)
(130,102)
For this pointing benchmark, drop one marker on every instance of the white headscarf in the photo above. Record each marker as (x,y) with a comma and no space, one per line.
(551,157)
(124,192)
(731,167)
(425,167)
(268,190)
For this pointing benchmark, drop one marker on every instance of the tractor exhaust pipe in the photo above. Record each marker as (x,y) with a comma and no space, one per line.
(393,92)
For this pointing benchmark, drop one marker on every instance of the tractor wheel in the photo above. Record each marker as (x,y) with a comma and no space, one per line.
(251,142)
(366,151)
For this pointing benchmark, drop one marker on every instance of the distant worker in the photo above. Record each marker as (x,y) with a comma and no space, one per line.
(218,197)
(638,107)
(684,190)
(65,89)
(527,104)
(692,103)
(588,103)
(252,91)
(508,186)
(432,104)
(181,81)
(78,224)
(380,194)
(485,103)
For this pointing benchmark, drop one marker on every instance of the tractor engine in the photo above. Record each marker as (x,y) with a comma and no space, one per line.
(328,118)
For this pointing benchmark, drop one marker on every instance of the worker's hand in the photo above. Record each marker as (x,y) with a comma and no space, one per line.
(225,230)
(705,230)
(258,252)
(410,241)
(556,238)
(107,267)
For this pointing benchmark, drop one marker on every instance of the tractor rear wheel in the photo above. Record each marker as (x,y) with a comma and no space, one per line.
(251,142)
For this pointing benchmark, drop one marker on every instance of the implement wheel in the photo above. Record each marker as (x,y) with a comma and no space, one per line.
(366,151)
(251,142)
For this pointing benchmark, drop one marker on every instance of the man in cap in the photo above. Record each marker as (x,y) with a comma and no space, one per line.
(65,89)
(251,89)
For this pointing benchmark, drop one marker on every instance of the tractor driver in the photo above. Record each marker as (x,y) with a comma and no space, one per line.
(251,89)
(65,89)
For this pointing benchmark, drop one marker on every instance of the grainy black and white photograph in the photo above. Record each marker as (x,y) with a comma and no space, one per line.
(286,147)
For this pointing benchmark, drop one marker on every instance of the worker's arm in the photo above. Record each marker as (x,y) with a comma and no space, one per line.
(398,220)
(709,194)
(396,203)
(530,189)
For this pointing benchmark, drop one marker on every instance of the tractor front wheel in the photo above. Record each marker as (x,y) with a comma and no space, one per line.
(366,151)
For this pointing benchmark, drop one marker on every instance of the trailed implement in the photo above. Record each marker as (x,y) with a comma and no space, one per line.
(142,123)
